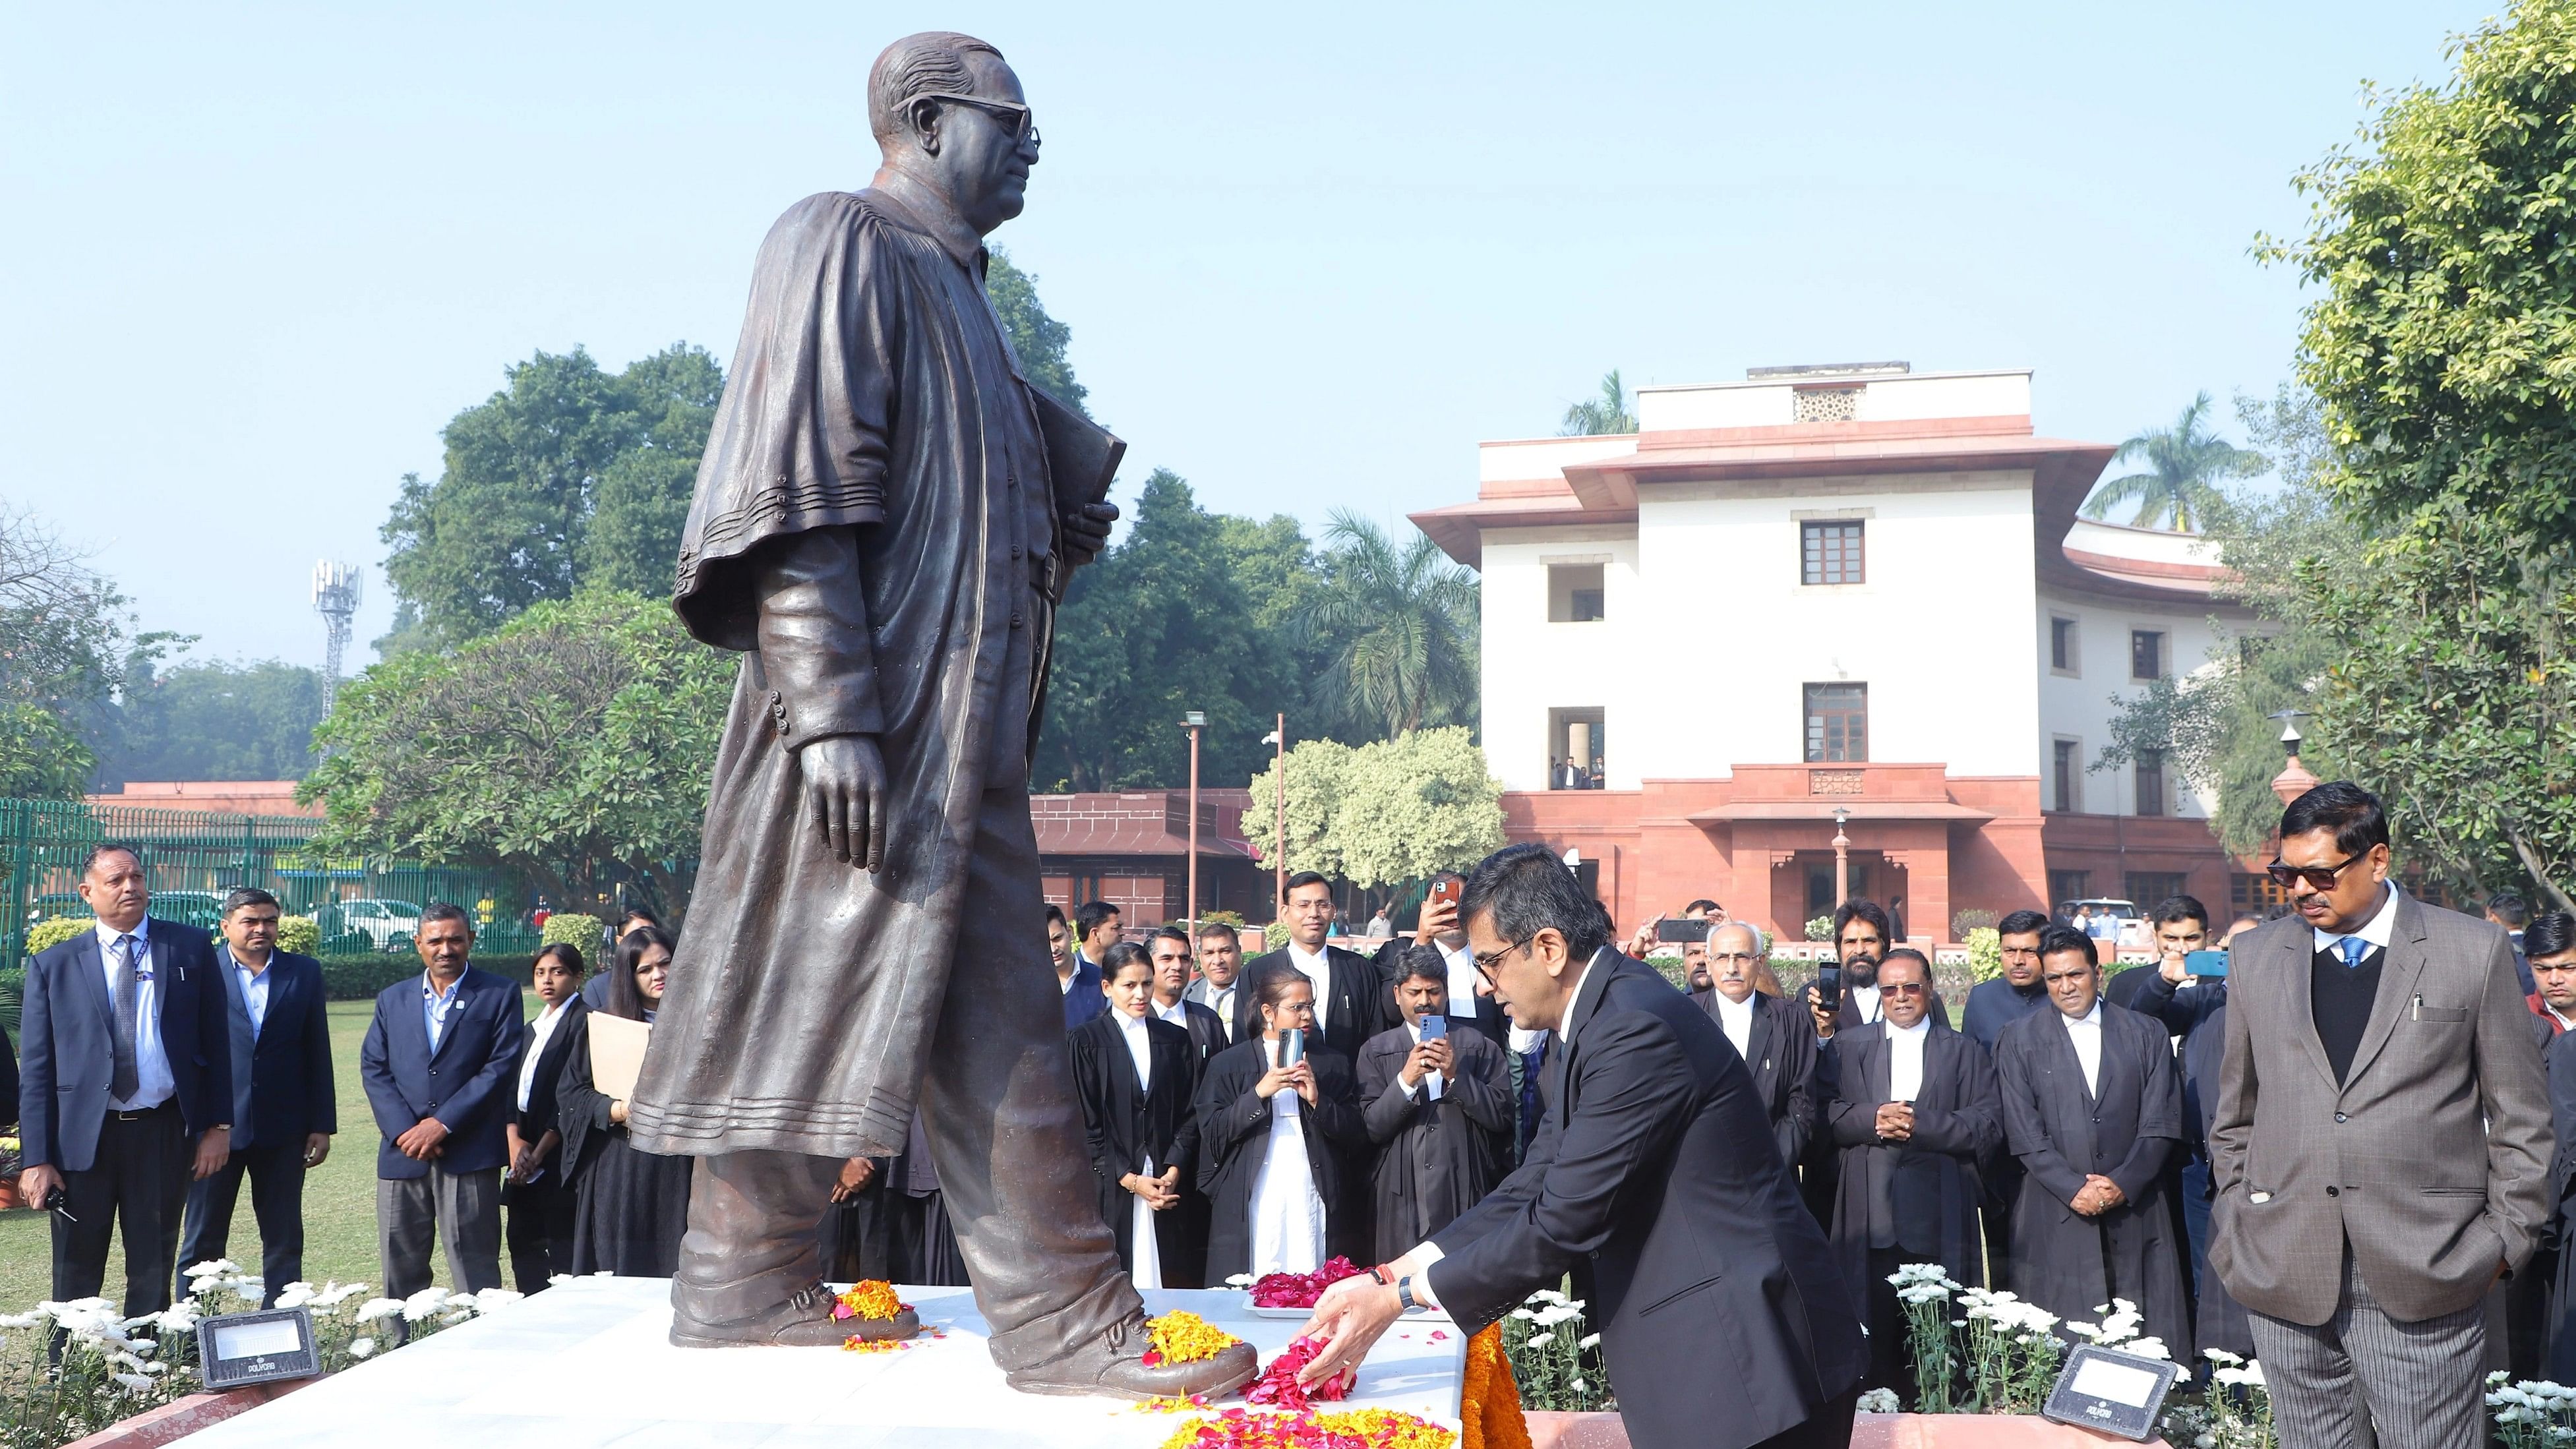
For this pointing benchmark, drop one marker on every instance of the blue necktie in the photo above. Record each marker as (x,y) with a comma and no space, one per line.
(2353,948)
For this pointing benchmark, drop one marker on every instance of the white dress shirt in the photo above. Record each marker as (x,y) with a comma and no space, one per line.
(1430,1084)
(1144,1252)
(153,1084)
(1317,968)
(539,1031)
(1463,977)
(1565,1025)
(1865,1004)
(1736,1019)
(1905,1059)
(254,989)
(1220,999)
(2086,1033)
(2377,930)
(1178,1013)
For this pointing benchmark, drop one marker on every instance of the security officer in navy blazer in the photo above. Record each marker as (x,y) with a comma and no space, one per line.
(284,1105)
(127,1083)
(440,1061)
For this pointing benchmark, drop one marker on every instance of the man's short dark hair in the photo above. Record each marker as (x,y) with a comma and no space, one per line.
(1167,933)
(241,896)
(1528,890)
(2177,908)
(1424,963)
(2021,923)
(2510,910)
(2066,938)
(445,911)
(2551,933)
(1910,954)
(1696,907)
(1219,928)
(1088,917)
(1055,916)
(1861,908)
(2351,812)
(627,918)
(1301,880)
(89,862)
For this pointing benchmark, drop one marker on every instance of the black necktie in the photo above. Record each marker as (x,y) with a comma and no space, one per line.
(126,1080)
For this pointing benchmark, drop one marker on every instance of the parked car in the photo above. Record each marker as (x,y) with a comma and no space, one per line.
(202,909)
(2114,921)
(390,924)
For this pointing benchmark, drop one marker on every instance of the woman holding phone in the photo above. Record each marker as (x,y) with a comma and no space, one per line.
(1278,1118)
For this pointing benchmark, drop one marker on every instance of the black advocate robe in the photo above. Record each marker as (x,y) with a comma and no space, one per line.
(1434,1159)
(1125,1127)
(2062,1260)
(1918,1197)
(1234,1132)
(1356,1002)
(1781,1053)
(629,1206)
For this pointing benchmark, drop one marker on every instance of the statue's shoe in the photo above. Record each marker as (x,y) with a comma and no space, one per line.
(804,1321)
(1112,1365)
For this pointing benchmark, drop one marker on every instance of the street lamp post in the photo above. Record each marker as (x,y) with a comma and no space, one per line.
(1842,857)
(1194,721)
(1279,803)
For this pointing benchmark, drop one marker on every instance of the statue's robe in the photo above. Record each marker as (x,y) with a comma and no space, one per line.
(874,528)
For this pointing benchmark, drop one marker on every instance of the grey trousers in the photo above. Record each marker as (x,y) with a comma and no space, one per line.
(461,1209)
(1005,1132)
(2420,1385)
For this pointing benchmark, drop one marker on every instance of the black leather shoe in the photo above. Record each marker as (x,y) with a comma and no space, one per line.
(1113,1364)
(804,1321)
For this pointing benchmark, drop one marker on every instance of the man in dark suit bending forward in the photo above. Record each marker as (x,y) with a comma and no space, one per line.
(1654,1178)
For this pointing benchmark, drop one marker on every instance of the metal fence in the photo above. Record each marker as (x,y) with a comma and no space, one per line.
(191,859)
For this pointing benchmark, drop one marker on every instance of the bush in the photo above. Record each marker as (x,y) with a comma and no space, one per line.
(1821,929)
(1985,954)
(568,928)
(1966,921)
(1222,918)
(299,934)
(45,935)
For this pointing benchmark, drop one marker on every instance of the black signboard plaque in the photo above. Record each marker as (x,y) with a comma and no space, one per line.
(257,1348)
(2110,1391)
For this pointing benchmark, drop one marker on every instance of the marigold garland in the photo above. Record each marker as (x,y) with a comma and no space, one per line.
(1181,1336)
(1489,1402)
(872,1299)
(1345,1429)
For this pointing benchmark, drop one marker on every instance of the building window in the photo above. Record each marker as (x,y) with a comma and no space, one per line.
(1831,551)
(1574,752)
(1837,723)
(2151,782)
(2062,651)
(2146,654)
(1574,594)
(2152,888)
(1826,405)
(2069,780)
(2254,895)
(2065,887)
(1820,886)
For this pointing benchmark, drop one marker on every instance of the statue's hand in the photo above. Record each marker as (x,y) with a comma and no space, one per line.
(1086,531)
(845,789)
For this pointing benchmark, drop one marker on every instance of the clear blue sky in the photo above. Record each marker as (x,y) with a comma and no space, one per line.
(255,256)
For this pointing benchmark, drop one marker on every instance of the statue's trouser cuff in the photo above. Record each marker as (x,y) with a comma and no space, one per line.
(753,1233)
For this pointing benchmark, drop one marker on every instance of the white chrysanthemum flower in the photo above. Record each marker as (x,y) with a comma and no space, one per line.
(1524,1315)
(296,1295)
(1589,1341)
(215,1268)
(1239,1280)
(423,1303)
(375,1308)
(249,1290)
(1540,1340)
(1878,1401)
(131,1383)
(362,1347)
(2220,1355)
(2148,1347)
(1579,1386)
(492,1298)
(335,1293)
(21,1320)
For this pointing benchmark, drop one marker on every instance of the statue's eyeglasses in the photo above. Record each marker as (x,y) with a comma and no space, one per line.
(1019,120)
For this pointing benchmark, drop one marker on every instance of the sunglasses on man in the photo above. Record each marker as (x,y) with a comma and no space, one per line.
(2318,877)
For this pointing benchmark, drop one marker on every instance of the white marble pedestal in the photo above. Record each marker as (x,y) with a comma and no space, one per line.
(589,1363)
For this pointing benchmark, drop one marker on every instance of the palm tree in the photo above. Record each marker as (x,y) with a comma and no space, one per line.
(1398,626)
(1612,412)
(2184,465)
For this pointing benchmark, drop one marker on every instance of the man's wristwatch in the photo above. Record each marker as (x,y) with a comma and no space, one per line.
(1404,1293)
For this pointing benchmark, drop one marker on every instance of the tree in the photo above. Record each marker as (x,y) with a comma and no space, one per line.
(571,746)
(63,650)
(1395,810)
(1159,625)
(1614,411)
(1039,339)
(2443,353)
(208,720)
(1400,629)
(568,476)
(2185,465)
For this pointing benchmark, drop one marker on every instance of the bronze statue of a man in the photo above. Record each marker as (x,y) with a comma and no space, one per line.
(884,522)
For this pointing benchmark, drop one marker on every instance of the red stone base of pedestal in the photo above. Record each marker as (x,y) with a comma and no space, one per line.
(181,1417)
(1869,1431)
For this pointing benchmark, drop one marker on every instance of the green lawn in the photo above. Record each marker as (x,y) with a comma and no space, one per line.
(339,1199)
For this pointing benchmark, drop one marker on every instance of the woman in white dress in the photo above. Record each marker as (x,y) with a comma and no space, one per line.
(1277,1143)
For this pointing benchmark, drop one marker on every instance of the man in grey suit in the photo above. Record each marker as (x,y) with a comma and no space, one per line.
(2381,1144)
